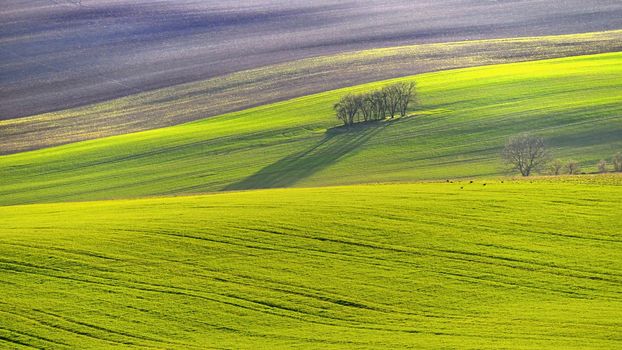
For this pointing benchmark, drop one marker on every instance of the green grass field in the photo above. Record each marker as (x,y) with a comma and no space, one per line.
(513,265)
(320,236)
(248,88)
(458,131)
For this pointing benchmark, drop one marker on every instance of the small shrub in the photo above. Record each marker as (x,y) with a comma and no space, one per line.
(572,167)
(617,162)
(556,167)
(602,166)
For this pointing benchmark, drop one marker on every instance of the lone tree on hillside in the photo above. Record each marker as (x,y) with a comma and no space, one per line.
(525,153)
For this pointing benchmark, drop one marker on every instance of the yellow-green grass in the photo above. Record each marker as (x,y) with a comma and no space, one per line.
(459,129)
(240,90)
(512,265)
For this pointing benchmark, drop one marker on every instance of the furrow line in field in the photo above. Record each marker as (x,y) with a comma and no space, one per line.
(58,327)
(102,329)
(416,250)
(34,336)
(14,342)
(265,307)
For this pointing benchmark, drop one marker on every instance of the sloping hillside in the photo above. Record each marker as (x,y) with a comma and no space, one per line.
(57,54)
(378,266)
(174,174)
(464,119)
(249,88)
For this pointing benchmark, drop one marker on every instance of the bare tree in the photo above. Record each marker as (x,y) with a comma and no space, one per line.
(556,167)
(340,112)
(602,166)
(366,107)
(406,96)
(525,153)
(617,162)
(347,108)
(392,99)
(572,167)
(378,99)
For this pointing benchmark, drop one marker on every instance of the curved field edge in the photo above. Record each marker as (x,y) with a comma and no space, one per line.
(458,130)
(241,90)
(426,265)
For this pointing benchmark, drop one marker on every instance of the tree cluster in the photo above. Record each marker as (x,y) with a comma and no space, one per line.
(616,161)
(389,101)
(558,167)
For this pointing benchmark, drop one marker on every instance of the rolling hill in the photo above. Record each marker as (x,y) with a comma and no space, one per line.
(510,265)
(56,54)
(457,131)
(173,176)
(277,82)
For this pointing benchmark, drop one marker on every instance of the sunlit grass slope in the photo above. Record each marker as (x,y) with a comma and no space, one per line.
(259,86)
(513,265)
(463,121)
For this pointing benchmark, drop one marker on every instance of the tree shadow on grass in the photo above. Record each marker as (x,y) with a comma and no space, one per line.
(337,143)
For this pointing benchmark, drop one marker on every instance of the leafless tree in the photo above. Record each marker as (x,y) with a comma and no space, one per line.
(602,166)
(366,107)
(378,99)
(347,108)
(406,96)
(572,167)
(525,153)
(340,112)
(617,162)
(392,99)
(556,167)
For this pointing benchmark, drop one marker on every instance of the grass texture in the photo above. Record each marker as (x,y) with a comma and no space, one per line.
(505,265)
(458,131)
(249,88)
